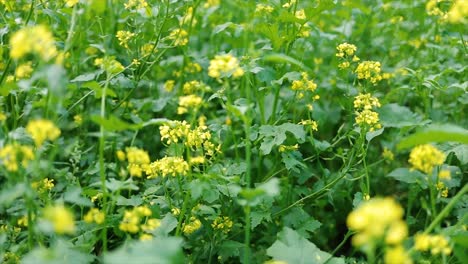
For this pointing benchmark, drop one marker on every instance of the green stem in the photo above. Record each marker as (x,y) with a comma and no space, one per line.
(247,235)
(432,196)
(446,210)
(102,170)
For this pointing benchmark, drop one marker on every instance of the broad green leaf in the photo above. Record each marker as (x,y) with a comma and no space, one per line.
(73,196)
(301,221)
(259,216)
(61,252)
(132,201)
(373,134)
(84,77)
(8,195)
(461,151)
(435,133)
(115,185)
(393,115)
(409,176)
(276,135)
(293,161)
(96,87)
(113,123)
(253,197)
(293,248)
(160,250)
(283,58)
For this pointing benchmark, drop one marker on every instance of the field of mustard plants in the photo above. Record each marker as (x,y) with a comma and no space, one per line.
(233,131)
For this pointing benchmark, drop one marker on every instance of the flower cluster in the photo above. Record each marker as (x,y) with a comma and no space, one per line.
(222,223)
(94,216)
(379,219)
(181,132)
(225,66)
(369,70)
(263,8)
(192,102)
(43,186)
(13,155)
(303,85)
(458,13)
(192,226)
(179,36)
(346,52)
(33,40)
(60,218)
(109,64)
(136,4)
(168,166)
(365,116)
(138,160)
(124,37)
(138,219)
(436,244)
(42,130)
(24,70)
(425,157)
(194,86)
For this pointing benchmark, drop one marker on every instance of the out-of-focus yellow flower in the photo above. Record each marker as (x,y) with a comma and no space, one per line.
(34,39)
(263,8)
(211,3)
(436,244)
(42,130)
(24,70)
(94,216)
(179,36)
(189,102)
(43,185)
(168,166)
(134,220)
(397,255)
(13,155)
(225,65)
(136,4)
(138,161)
(60,218)
(458,13)
(376,219)
(425,157)
(71,3)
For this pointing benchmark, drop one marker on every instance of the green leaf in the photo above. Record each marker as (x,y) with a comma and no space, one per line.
(461,151)
(113,123)
(132,201)
(96,87)
(409,176)
(293,161)
(161,250)
(283,58)
(435,133)
(393,115)
(9,195)
(373,134)
(258,216)
(60,252)
(84,77)
(293,248)
(276,135)
(73,195)
(115,185)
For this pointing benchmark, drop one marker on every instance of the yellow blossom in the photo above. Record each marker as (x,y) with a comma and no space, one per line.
(190,102)
(60,218)
(458,13)
(262,8)
(124,37)
(397,255)
(179,36)
(24,70)
(78,119)
(34,39)
(138,161)
(43,185)
(376,219)
(222,223)
(365,101)
(71,3)
(425,157)
(13,155)
(436,244)
(168,166)
(369,70)
(94,216)
(225,65)
(42,130)
(368,118)
(137,4)
(169,85)
(192,226)
(300,14)
(345,50)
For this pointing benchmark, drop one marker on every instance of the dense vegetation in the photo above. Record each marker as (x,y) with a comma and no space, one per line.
(324,131)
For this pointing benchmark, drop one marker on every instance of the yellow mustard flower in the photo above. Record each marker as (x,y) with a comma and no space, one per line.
(376,219)
(397,255)
(369,70)
(425,158)
(124,37)
(42,130)
(189,102)
(345,50)
(193,225)
(225,65)
(60,218)
(94,215)
(222,223)
(13,155)
(33,39)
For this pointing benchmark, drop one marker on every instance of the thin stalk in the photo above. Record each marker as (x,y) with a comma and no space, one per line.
(247,235)
(446,210)
(102,171)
